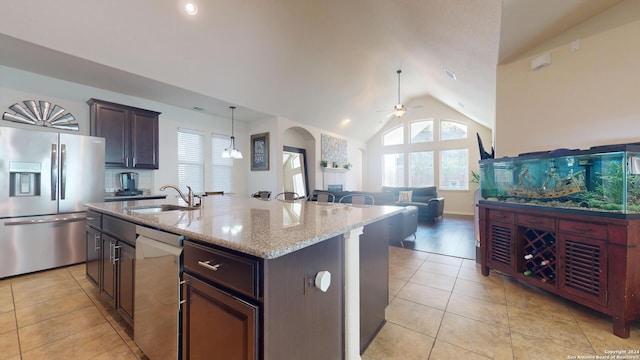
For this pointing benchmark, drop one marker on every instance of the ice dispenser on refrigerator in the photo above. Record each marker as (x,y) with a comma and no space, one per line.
(24,178)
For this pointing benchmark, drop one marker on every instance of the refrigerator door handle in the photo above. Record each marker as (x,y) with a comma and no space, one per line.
(54,171)
(53,220)
(63,170)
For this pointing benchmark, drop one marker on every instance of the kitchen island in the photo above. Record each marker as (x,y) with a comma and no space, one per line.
(297,269)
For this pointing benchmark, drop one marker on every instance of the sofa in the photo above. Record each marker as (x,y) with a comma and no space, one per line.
(430,206)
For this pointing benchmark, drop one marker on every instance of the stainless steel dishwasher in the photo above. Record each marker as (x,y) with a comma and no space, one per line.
(156,327)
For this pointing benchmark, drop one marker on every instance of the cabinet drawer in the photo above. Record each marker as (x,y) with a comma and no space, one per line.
(499,215)
(537,222)
(596,231)
(235,272)
(94,219)
(120,229)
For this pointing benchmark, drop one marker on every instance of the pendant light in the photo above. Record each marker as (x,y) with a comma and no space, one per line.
(399,109)
(232,152)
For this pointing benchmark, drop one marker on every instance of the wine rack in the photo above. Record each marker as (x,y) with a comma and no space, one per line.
(539,255)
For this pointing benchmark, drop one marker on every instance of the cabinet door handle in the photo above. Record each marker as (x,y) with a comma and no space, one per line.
(111,252)
(134,162)
(116,253)
(180,300)
(207,264)
(96,241)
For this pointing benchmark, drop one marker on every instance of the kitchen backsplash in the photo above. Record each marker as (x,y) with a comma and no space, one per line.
(145,180)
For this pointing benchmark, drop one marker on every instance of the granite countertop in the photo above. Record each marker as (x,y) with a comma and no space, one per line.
(266,229)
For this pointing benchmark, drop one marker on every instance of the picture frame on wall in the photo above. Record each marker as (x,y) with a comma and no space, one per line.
(260,152)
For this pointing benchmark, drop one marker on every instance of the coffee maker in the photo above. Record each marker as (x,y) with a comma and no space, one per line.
(128,184)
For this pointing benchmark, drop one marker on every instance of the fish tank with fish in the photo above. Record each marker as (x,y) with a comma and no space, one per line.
(603,179)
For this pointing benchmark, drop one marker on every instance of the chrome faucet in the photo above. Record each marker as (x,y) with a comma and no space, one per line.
(189,199)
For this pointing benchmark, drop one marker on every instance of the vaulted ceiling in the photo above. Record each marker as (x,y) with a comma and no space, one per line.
(314,62)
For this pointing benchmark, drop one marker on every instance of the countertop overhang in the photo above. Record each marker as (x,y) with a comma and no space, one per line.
(265,229)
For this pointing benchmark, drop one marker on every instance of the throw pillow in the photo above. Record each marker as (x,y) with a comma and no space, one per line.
(405,196)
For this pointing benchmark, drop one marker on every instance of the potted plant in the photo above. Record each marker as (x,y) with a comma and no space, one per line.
(324,163)
(347,166)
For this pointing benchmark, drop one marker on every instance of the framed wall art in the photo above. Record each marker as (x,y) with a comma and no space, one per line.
(260,152)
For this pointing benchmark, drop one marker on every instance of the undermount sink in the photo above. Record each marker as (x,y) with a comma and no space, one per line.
(158,208)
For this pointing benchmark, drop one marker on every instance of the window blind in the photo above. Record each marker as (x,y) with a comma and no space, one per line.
(221,168)
(191,160)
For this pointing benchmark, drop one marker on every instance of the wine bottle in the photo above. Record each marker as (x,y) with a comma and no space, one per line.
(532,270)
(548,278)
(531,254)
(545,262)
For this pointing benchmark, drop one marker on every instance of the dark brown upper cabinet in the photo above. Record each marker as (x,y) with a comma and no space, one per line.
(131,134)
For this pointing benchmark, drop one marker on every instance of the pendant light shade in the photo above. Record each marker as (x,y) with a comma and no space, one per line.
(232,151)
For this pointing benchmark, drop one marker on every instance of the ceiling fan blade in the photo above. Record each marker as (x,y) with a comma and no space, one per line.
(415,107)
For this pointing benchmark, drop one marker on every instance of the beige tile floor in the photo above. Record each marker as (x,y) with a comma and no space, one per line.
(440,308)
(58,314)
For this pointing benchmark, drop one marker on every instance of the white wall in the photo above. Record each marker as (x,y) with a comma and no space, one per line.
(354,177)
(458,201)
(17,85)
(584,98)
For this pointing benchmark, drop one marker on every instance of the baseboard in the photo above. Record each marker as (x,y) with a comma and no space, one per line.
(458,213)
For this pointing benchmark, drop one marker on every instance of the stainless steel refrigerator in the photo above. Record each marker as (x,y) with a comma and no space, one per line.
(45,178)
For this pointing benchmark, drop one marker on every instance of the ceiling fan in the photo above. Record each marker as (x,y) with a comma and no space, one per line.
(399,109)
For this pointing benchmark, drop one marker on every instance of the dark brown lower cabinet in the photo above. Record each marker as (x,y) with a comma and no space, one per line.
(125,260)
(589,259)
(117,275)
(241,307)
(94,253)
(108,267)
(217,325)
(374,280)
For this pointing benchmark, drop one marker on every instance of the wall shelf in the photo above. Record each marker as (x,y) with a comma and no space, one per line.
(331,169)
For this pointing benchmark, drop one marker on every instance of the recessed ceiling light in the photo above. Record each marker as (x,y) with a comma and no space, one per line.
(191,8)
(450,74)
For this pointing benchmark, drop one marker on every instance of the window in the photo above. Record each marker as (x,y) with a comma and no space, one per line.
(452,130)
(394,136)
(393,170)
(421,131)
(454,169)
(221,168)
(421,168)
(190,160)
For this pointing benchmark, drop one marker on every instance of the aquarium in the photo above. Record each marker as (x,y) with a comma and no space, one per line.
(603,179)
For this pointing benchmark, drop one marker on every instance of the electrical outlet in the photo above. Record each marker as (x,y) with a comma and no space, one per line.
(575,45)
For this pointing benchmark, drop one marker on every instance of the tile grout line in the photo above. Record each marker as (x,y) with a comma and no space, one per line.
(15,318)
(105,318)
